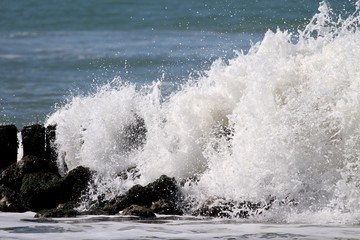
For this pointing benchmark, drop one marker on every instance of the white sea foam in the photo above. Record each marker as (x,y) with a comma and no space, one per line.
(281,120)
(24,226)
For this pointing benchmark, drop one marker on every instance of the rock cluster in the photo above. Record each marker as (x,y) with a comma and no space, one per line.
(34,183)
(161,196)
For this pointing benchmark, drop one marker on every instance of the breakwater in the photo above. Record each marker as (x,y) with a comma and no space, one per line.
(34,183)
(36,140)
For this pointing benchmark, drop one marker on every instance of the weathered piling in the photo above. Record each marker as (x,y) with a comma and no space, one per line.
(8,145)
(50,150)
(33,140)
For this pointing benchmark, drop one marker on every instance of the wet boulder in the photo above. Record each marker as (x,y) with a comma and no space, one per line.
(32,181)
(76,182)
(166,207)
(31,164)
(41,191)
(164,188)
(10,200)
(135,195)
(12,176)
(139,211)
(57,213)
(53,195)
(223,208)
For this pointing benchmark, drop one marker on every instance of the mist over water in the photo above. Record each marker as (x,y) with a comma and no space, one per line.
(280,121)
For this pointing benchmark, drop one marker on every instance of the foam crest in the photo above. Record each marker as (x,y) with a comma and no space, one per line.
(91,128)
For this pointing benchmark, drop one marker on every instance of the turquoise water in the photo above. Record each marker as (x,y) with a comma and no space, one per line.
(54,49)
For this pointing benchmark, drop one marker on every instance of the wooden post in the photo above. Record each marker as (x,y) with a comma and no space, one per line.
(8,145)
(50,135)
(33,140)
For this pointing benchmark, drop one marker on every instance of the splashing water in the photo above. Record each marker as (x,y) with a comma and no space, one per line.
(280,121)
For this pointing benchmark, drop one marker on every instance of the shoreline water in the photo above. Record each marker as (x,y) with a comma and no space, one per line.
(100,227)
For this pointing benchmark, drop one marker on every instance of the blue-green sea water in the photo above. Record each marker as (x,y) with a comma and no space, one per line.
(50,50)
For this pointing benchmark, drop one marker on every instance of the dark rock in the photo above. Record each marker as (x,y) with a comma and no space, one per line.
(13,175)
(10,201)
(96,211)
(163,206)
(57,213)
(31,164)
(138,195)
(8,145)
(135,195)
(164,188)
(33,140)
(41,191)
(76,182)
(111,207)
(68,205)
(140,211)
(62,210)
(230,209)
(50,137)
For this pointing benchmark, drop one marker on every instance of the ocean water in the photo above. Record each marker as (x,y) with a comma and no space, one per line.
(257,100)
(50,51)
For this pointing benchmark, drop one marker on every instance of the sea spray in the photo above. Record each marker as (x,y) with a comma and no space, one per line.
(280,122)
